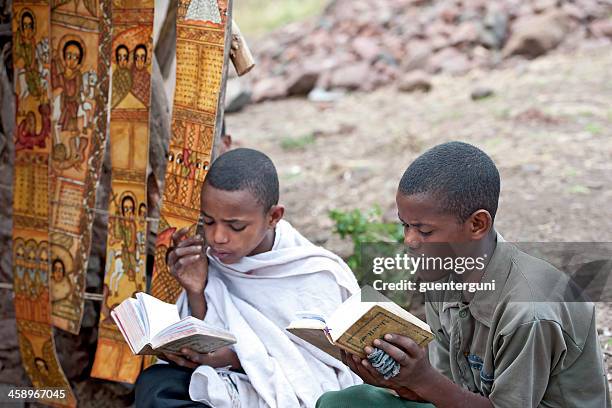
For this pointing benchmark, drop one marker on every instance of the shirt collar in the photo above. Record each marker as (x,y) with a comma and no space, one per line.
(484,303)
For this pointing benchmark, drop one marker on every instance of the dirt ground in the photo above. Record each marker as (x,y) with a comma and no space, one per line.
(548,127)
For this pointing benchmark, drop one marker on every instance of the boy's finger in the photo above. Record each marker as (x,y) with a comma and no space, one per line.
(195,240)
(372,372)
(406,343)
(353,363)
(170,357)
(194,356)
(349,362)
(186,261)
(398,355)
(176,237)
(366,375)
(190,250)
(183,362)
(170,258)
(354,367)
(343,357)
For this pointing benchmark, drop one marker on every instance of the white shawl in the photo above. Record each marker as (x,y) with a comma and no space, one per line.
(255,299)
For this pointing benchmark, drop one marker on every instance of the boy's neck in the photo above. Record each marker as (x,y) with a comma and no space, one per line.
(266,244)
(484,248)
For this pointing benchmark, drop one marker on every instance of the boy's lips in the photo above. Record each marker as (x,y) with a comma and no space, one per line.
(221,254)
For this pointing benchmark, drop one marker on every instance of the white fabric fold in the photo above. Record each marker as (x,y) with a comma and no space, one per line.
(255,299)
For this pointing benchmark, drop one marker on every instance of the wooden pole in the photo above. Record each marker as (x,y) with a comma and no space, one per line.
(240,54)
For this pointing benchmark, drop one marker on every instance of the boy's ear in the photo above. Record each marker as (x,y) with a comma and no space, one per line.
(479,224)
(275,214)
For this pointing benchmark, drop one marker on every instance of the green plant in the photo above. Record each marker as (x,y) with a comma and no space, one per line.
(364,227)
(297,143)
(594,129)
(372,238)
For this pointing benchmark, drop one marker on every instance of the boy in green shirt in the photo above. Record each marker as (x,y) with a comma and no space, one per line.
(519,345)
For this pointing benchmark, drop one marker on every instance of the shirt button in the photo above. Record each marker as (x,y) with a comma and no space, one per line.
(463,313)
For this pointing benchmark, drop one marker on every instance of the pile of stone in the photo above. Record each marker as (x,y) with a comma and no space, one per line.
(364,44)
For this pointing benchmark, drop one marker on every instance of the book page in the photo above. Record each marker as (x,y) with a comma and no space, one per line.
(347,313)
(132,316)
(158,315)
(128,316)
(307,323)
(125,336)
(190,323)
(193,333)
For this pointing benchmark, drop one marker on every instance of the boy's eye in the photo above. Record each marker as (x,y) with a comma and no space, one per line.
(208,222)
(238,228)
(425,233)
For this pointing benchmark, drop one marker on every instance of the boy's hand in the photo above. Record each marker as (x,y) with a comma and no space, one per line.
(354,363)
(414,366)
(223,357)
(187,261)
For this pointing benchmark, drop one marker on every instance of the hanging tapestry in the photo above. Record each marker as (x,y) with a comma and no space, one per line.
(125,272)
(32,136)
(80,64)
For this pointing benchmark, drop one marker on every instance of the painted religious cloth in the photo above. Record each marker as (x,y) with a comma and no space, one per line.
(80,50)
(31,200)
(255,299)
(125,271)
(202,52)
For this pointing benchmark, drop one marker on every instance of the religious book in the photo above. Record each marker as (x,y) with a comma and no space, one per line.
(356,324)
(152,327)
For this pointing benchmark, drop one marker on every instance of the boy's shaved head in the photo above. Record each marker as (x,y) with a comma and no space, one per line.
(246,169)
(460,176)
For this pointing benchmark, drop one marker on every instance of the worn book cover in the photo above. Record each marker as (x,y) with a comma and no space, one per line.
(356,323)
(374,324)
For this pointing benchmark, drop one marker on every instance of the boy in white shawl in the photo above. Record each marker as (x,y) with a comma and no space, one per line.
(250,274)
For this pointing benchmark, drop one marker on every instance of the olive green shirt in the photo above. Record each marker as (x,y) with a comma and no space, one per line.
(520,345)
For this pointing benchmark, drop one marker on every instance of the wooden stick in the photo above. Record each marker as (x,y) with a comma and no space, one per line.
(240,54)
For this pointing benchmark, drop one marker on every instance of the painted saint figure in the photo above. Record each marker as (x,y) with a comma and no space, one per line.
(125,232)
(141,79)
(62,287)
(25,55)
(27,137)
(68,79)
(122,76)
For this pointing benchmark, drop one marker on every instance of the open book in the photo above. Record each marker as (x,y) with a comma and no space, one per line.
(356,324)
(151,326)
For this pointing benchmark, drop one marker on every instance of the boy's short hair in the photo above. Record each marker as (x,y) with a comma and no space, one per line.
(246,169)
(461,176)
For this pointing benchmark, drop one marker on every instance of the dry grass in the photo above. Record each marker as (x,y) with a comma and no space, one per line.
(257,17)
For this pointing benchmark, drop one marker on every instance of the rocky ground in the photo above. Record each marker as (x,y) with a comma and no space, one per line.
(366,44)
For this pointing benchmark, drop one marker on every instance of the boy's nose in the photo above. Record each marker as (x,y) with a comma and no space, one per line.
(412,239)
(219,236)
